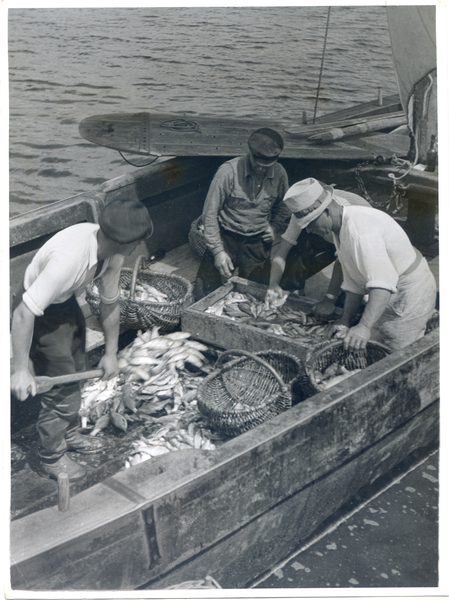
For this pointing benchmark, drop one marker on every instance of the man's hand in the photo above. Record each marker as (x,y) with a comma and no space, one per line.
(23,384)
(338,330)
(272,295)
(357,337)
(268,234)
(223,264)
(109,365)
(324,310)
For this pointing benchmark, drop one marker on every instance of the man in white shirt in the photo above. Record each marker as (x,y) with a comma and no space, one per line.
(48,327)
(376,258)
(306,254)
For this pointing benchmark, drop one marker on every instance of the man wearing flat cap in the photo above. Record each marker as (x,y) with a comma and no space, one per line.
(376,258)
(48,327)
(242,214)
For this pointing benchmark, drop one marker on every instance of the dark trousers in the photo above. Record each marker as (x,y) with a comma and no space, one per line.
(250,254)
(58,348)
(310,255)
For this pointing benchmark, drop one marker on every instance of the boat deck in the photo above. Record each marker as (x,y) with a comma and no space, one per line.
(29,491)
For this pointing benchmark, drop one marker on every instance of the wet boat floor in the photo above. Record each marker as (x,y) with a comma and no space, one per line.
(387,540)
(31,492)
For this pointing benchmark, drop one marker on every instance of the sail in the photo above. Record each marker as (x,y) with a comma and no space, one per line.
(413,43)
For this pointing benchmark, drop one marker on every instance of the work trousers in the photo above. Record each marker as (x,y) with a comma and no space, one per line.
(310,255)
(58,348)
(250,254)
(405,319)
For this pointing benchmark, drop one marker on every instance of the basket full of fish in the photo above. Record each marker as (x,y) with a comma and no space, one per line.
(332,363)
(147,299)
(244,392)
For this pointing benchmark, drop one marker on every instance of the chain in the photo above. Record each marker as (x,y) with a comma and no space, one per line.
(396,200)
(361,183)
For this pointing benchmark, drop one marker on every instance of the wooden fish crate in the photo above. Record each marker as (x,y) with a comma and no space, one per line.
(226,333)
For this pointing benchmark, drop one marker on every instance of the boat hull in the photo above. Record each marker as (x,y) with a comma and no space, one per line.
(234,511)
(184,515)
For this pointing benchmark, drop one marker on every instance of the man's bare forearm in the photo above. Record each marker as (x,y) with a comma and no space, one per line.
(110,321)
(278,262)
(21,336)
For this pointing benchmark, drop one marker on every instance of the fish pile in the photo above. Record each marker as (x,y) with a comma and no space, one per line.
(142,292)
(146,293)
(333,374)
(280,320)
(179,434)
(156,386)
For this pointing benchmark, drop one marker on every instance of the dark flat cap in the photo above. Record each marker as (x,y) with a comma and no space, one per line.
(125,221)
(265,144)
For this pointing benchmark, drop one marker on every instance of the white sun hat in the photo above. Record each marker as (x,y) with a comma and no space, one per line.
(307,199)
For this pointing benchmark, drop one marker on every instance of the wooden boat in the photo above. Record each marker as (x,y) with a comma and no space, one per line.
(171,519)
(229,512)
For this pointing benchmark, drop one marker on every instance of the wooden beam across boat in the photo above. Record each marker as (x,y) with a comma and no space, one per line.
(157,134)
(233,511)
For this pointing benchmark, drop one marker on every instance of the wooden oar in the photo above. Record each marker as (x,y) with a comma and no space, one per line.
(45,384)
(338,133)
(309,129)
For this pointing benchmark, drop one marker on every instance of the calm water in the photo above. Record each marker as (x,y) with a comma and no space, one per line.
(264,62)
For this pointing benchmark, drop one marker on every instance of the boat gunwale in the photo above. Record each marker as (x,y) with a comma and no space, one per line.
(283,425)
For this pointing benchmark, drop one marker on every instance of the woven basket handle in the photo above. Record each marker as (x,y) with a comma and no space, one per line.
(132,289)
(256,359)
(330,345)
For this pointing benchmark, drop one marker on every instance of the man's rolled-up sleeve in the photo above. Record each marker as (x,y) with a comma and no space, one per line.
(293,231)
(54,281)
(220,188)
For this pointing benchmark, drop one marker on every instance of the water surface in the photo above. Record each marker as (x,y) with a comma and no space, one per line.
(262,62)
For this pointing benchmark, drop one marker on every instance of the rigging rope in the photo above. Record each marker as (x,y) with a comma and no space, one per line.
(322,64)
(134,165)
(415,134)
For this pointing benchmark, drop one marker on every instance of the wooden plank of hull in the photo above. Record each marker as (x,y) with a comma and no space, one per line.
(278,532)
(147,134)
(270,487)
(389,105)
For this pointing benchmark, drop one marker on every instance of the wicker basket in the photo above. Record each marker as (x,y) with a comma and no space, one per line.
(138,314)
(288,367)
(242,393)
(334,352)
(196,237)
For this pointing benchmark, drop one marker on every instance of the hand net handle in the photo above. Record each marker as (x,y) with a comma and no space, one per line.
(132,288)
